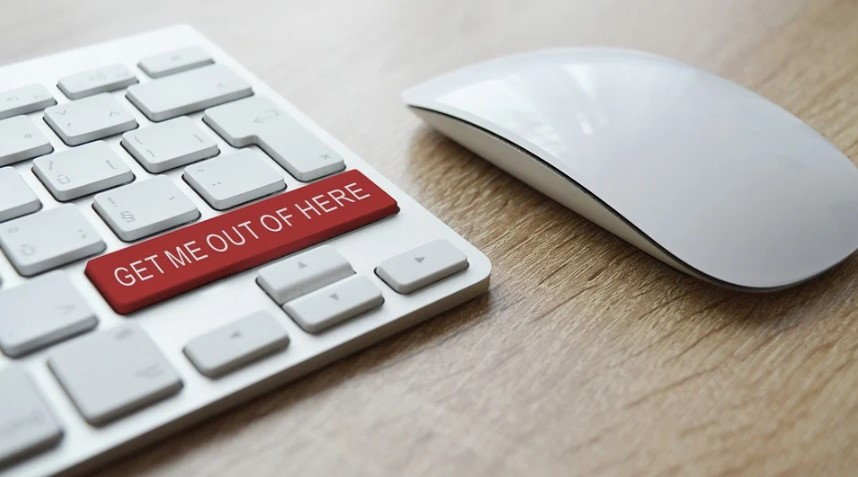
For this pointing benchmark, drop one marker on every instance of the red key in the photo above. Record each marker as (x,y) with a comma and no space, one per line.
(173,263)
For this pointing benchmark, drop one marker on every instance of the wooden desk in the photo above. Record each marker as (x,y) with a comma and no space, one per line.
(587,356)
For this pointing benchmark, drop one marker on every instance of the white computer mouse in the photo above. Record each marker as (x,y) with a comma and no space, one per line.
(697,171)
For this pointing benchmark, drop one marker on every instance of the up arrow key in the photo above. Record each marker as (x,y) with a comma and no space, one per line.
(335,296)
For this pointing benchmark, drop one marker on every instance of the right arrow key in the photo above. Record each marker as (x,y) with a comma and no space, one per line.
(422,266)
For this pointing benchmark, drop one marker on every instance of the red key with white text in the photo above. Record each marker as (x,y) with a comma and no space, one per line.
(168,265)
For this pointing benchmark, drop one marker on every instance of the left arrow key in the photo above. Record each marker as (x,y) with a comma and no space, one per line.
(41,312)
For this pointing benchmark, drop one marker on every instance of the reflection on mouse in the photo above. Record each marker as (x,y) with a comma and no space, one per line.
(697,171)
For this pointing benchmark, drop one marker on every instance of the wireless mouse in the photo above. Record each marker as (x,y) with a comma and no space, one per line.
(699,172)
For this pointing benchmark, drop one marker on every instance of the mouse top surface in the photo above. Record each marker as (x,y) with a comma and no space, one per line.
(719,177)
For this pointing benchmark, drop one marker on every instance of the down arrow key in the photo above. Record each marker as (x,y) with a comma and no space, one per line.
(344,300)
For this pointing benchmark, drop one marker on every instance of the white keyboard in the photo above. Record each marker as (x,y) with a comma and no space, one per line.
(177,238)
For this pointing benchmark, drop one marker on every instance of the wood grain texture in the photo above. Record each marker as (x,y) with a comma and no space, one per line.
(587,357)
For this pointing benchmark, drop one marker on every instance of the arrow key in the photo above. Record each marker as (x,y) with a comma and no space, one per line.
(41,312)
(300,274)
(422,266)
(236,344)
(326,307)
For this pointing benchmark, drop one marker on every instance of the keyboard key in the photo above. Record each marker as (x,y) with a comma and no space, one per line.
(258,121)
(21,140)
(173,263)
(82,171)
(101,80)
(41,312)
(27,425)
(145,208)
(168,145)
(236,344)
(17,198)
(234,179)
(188,92)
(301,274)
(334,304)
(175,61)
(50,239)
(422,266)
(113,373)
(25,100)
(89,119)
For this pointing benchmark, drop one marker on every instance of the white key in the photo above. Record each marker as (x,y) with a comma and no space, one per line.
(237,344)
(168,145)
(113,373)
(258,121)
(81,171)
(101,80)
(50,239)
(334,304)
(25,100)
(298,275)
(234,179)
(17,198)
(176,61)
(188,92)
(21,140)
(42,311)
(145,208)
(89,119)
(27,425)
(422,266)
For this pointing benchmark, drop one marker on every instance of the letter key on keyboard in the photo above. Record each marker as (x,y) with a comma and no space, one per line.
(112,373)
(101,80)
(21,140)
(39,242)
(175,61)
(145,208)
(43,311)
(168,145)
(89,119)
(188,92)
(24,100)
(82,171)
(17,198)
(27,425)
(233,179)
(257,121)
